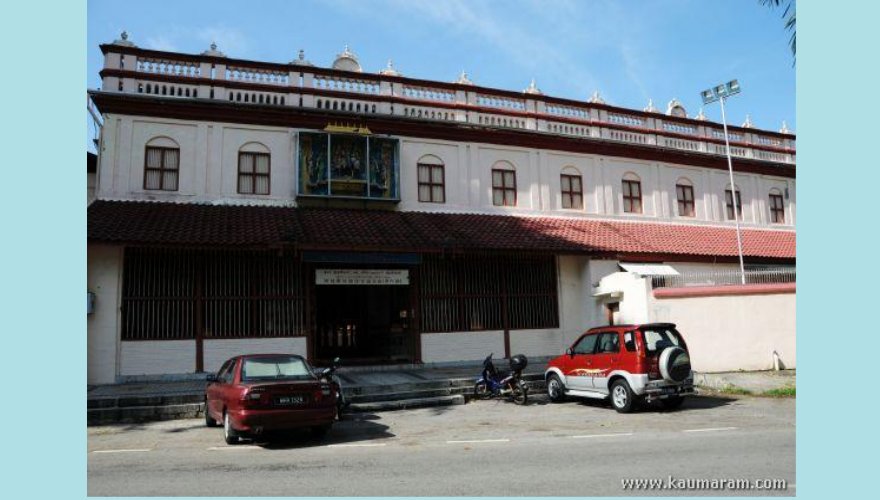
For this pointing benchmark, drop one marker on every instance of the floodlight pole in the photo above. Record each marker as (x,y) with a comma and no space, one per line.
(739,245)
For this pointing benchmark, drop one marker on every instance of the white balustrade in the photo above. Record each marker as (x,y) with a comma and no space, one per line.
(503,102)
(625,136)
(168,67)
(673,142)
(428,93)
(679,128)
(568,111)
(342,84)
(261,76)
(630,120)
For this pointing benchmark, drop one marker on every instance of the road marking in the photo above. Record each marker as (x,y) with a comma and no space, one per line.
(227,448)
(711,429)
(138,450)
(620,434)
(355,445)
(478,441)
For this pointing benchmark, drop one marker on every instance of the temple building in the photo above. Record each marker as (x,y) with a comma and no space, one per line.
(247,206)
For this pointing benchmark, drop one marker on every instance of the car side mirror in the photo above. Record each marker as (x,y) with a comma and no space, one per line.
(211,377)
(326,372)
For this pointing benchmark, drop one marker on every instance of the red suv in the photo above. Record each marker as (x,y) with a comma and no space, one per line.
(629,363)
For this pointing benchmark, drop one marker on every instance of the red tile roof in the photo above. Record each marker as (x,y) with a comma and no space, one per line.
(388,230)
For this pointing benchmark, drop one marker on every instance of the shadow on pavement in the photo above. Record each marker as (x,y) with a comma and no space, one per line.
(353,429)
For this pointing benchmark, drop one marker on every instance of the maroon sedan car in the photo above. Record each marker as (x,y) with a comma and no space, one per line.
(256,393)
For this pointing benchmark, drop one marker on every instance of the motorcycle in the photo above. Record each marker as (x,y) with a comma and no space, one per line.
(329,375)
(493,384)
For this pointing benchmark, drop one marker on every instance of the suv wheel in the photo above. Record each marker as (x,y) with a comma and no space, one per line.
(555,388)
(622,397)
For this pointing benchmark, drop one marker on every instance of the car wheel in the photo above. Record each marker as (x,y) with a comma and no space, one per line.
(321,431)
(209,422)
(481,390)
(622,397)
(555,388)
(229,434)
(671,403)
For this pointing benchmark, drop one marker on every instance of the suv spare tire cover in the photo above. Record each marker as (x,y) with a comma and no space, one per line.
(675,364)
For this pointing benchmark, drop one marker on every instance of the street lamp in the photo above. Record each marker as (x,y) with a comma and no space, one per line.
(719,93)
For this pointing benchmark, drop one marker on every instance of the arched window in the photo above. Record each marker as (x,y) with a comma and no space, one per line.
(503,184)
(253,169)
(684,193)
(632,193)
(161,164)
(432,179)
(777,207)
(728,202)
(572,188)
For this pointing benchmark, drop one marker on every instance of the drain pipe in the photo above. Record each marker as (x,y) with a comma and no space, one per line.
(775,361)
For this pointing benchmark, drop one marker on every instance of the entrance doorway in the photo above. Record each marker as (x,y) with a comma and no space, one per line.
(364,324)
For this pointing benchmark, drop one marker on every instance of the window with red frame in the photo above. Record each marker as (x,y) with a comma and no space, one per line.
(572,191)
(161,168)
(431,183)
(685,195)
(253,173)
(632,197)
(777,209)
(503,188)
(728,196)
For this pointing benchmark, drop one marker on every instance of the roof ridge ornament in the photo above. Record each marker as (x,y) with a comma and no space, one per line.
(596,98)
(533,89)
(650,108)
(347,61)
(463,79)
(748,123)
(676,108)
(389,70)
(123,40)
(301,59)
(212,51)
(784,129)
(701,116)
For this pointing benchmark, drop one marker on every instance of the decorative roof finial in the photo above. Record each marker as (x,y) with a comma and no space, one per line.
(701,116)
(675,108)
(784,129)
(533,89)
(212,51)
(748,123)
(389,70)
(650,108)
(463,79)
(596,98)
(301,59)
(123,40)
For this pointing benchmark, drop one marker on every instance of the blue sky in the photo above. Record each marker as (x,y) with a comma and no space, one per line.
(628,50)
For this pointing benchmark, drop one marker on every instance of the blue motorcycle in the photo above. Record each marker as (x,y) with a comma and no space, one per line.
(493,384)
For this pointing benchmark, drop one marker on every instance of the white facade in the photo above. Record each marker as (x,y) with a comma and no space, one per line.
(209,169)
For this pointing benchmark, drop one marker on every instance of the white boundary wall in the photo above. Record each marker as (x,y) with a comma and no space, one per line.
(733,332)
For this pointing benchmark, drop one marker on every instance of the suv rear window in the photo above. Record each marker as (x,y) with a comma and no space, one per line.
(658,338)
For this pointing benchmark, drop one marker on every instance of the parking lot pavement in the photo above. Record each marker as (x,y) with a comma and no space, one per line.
(482,448)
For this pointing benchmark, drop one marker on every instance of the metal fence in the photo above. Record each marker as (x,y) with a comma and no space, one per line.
(726,277)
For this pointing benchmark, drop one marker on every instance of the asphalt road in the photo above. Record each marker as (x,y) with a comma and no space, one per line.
(484,448)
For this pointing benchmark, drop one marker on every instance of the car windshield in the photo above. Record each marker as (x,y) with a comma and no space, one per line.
(658,338)
(275,368)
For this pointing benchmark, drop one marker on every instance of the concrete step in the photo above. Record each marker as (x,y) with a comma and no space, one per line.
(135,414)
(403,404)
(416,394)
